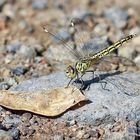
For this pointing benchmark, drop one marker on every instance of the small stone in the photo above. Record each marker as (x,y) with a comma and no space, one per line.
(30,29)
(87,136)
(4,135)
(12,48)
(129,53)
(63,34)
(14,132)
(137,60)
(19,71)
(27,52)
(100,29)
(95,45)
(2,2)
(10,121)
(4,86)
(9,11)
(31,131)
(23,24)
(27,131)
(58,137)
(11,81)
(80,134)
(117,15)
(39,48)
(26,116)
(9,58)
(134,31)
(3,23)
(71,123)
(39,5)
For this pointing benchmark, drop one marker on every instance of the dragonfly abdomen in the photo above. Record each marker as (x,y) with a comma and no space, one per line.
(111,48)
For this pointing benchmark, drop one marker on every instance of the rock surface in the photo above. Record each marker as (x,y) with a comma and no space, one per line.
(118,101)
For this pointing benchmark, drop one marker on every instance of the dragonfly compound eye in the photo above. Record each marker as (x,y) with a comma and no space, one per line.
(70,72)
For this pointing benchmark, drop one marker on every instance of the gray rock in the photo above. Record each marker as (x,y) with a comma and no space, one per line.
(23,24)
(4,85)
(19,70)
(137,60)
(9,58)
(4,135)
(2,2)
(100,29)
(116,101)
(12,48)
(58,56)
(82,14)
(10,81)
(117,15)
(11,121)
(58,137)
(39,5)
(27,52)
(39,48)
(63,34)
(94,45)
(14,132)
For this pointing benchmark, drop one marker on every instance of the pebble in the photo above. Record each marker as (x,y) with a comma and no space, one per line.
(134,31)
(10,121)
(3,20)
(9,11)
(12,48)
(23,24)
(39,48)
(19,70)
(100,29)
(117,15)
(63,34)
(71,123)
(138,127)
(82,14)
(10,80)
(2,49)
(58,137)
(27,52)
(39,5)
(2,2)
(9,58)
(137,60)
(27,130)
(87,136)
(4,86)
(129,53)
(95,45)
(4,135)
(14,132)
(26,116)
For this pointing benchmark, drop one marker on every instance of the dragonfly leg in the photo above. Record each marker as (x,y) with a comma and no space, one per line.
(100,80)
(69,83)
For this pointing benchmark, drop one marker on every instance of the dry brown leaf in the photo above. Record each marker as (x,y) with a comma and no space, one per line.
(49,103)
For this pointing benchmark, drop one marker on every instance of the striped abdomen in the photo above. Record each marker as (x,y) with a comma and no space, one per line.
(109,49)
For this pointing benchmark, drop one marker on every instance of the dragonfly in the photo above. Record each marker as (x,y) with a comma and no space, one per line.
(83,64)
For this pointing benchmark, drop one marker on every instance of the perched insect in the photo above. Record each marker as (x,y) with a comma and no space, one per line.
(82,66)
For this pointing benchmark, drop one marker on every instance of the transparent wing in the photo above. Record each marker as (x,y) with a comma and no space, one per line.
(113,62)
(82,34)
(62,35)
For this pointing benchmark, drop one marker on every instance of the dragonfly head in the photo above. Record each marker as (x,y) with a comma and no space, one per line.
(71,72)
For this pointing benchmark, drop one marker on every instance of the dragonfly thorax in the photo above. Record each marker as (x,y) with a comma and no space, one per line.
(79,68)
(82,67)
